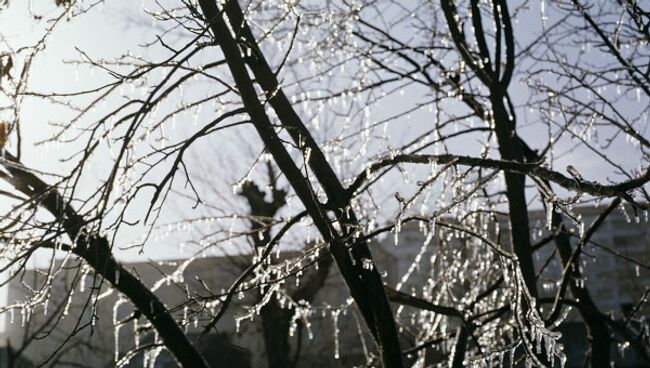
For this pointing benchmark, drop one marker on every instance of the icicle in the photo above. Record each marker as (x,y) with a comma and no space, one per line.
(136,333)
(116,323)
(153,356)
(82,282)
(581,229)
(537,338)
(622,348)
(23,318)
(367,264)
(548,346)
(298,274)
(397,230)
(117,342)
(47,302)
(549,216)
(354,262)
(335,320)
(66,309)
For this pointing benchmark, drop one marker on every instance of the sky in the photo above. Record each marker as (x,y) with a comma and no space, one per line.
(115,27)
(110,28)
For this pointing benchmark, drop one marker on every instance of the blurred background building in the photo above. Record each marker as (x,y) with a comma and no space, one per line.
(615,269)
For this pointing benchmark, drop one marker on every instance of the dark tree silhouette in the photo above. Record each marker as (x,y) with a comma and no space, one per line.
(453,120)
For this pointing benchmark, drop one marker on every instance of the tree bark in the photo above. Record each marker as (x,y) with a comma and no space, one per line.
(511,149)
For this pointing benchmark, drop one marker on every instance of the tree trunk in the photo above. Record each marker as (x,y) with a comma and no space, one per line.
(365,286)
(511,149)
(275,323)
